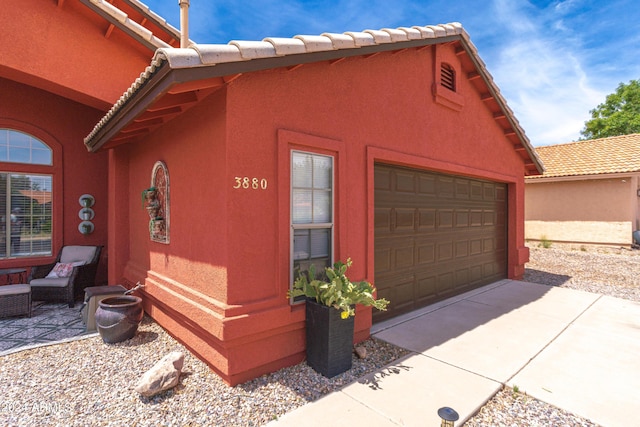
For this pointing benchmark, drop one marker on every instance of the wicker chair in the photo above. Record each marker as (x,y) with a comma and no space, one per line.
(83,264)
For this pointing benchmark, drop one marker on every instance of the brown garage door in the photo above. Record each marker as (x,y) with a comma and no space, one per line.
(436,235)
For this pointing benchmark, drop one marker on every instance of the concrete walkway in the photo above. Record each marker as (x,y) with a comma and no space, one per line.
(576,350)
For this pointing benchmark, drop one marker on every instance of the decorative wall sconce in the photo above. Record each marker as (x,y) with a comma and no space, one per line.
(155,200)
(86,214)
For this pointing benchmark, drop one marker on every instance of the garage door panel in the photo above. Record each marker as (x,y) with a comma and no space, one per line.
(426,220)
(463,190)
(382,221)
(427,287)
(462,218)
(403,257)
(445,218)
(401,295)
(427,185)
(405,219)
(426,251)
(445,187)
(462,249)
(405,182)
(444,252)
(436,235)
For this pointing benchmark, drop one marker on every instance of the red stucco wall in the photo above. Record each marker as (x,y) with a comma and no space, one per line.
(61,124)
(220,285)
(66,48)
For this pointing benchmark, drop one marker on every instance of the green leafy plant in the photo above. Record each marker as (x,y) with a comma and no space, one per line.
(544,242)
(336,290)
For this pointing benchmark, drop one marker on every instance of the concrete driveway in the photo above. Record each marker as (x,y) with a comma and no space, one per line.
(576,350)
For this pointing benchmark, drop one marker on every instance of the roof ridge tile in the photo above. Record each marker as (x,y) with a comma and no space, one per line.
(316,43)
(362,38)
(250,49)
(341,40)
(286,45)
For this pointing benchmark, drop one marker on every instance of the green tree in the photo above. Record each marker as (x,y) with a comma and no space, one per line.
(618,115)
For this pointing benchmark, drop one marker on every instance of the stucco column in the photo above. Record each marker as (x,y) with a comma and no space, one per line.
(118,214)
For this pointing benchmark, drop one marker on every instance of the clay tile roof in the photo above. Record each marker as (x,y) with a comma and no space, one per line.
(240,56)
(113,13)
(616,154)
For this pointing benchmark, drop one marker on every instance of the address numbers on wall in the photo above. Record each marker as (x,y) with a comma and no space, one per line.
(247,183)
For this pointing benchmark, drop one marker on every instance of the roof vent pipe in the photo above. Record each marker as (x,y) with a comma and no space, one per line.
(184,23)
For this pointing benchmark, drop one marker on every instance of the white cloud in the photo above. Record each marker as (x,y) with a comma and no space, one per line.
(541,75)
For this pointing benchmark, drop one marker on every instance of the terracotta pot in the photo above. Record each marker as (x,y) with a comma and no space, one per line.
(117,318)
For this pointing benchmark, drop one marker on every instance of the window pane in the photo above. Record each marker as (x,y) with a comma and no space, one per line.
(19,139)
(41,157)
(322,172)
(301,244)
(19,155)
(321,207)
(19,147)
(302,201)
(302,170)
(28,231)
(311,247)
(320,243)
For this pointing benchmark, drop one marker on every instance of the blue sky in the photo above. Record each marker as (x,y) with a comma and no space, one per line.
(552,60)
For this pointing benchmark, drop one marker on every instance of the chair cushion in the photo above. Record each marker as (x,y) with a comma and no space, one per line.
(14,289)
(75,254)
(50,282)
(60,270)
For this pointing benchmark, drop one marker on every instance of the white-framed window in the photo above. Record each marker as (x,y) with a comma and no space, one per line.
(312,212)
(26,198)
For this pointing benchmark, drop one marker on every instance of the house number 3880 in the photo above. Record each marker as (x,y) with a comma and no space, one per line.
(247,183)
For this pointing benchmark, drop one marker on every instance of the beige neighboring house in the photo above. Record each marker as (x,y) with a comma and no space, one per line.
(589,193)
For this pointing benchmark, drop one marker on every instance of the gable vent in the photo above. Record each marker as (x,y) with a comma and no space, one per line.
(448,77)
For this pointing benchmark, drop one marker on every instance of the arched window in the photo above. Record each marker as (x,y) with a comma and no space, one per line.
(448,77)
(26,195)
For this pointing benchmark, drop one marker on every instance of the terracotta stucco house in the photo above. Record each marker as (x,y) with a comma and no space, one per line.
(588,194)
(62,65)
(393,147)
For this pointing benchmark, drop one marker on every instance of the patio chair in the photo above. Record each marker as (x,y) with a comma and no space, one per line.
(74,269)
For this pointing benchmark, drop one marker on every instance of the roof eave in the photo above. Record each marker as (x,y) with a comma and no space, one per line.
(583,177)
(488,79)
(161,80)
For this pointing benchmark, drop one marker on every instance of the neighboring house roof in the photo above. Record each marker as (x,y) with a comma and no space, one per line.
(40,196)
(616,154)
(179,77)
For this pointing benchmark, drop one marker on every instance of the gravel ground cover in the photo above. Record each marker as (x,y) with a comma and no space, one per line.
(89,383)
(603,270)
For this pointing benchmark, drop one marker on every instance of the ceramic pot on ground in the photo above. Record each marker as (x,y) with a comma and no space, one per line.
(117,318)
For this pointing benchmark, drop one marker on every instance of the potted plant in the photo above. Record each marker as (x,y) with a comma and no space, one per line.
(330,312)
(86,201)
(156,226)
(86,228)
(148,195)
(153,208)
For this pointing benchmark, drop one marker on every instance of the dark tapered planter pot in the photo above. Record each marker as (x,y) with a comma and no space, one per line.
(117,318)
(329,339)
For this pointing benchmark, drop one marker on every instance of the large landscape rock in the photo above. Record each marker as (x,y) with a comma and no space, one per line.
(162,376)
